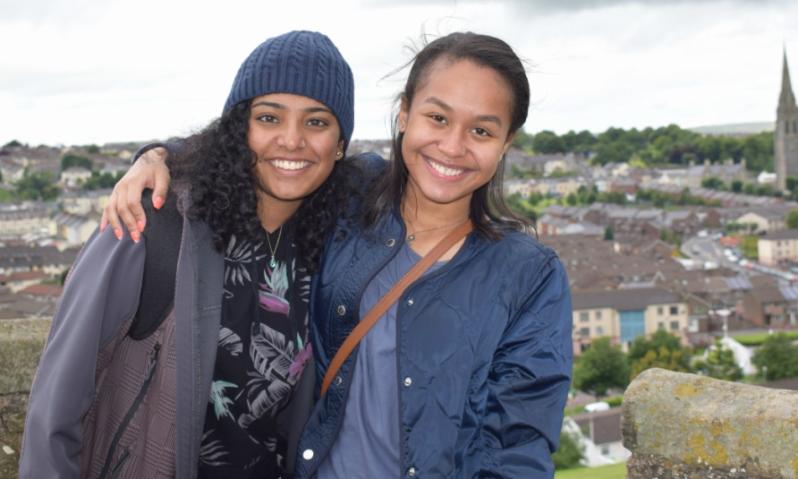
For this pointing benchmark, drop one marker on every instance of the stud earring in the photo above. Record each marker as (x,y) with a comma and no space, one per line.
(339,155)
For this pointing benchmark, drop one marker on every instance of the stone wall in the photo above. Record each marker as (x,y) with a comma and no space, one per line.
(21,343)
(691,427)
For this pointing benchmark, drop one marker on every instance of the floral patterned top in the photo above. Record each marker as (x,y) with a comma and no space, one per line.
(263,348)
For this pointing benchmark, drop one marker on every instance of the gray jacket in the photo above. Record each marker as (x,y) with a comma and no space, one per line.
(98,394)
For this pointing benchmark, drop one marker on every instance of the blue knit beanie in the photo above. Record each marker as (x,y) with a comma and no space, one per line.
(303,63)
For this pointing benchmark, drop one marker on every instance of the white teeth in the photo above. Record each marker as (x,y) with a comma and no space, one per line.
(290,164)
(445,170)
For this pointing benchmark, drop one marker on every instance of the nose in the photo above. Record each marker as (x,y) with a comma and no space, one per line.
(291,138)
(451,143)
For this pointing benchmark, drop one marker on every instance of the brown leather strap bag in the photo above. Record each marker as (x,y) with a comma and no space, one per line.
(379,309)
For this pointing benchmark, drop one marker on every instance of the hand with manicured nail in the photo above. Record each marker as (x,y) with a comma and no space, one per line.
(124,204)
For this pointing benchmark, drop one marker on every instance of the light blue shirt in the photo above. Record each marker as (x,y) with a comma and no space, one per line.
(368,443)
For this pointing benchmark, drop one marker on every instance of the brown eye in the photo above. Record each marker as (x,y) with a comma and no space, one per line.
(266,118)
(317,122)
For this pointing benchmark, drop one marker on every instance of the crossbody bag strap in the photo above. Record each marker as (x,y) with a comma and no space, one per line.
(379,309)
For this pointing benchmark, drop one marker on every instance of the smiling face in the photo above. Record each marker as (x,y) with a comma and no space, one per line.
(455,132)
(296,141)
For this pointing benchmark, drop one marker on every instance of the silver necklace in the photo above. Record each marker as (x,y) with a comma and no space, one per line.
(412,236)
(273,262)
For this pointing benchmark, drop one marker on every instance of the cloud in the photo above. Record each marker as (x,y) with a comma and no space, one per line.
(538,7)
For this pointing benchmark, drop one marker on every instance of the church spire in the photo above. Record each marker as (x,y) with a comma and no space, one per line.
(786,98)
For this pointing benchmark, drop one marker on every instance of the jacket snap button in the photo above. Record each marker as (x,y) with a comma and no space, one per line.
(411,472)
(410,302)
(390,243)
(408,382)
(341,310)
(338,380)
(307,454)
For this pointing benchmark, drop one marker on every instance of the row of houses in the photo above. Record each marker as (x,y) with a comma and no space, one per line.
(70,222)
(627,222)
(626,290)
(651,222)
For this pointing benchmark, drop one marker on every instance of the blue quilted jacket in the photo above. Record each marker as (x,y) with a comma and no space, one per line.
(484,354)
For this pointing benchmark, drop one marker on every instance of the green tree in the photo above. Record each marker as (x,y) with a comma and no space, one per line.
(749,246)
(792,219)
(93,149)
(777,358)
(520,206)
(570,453)
(12,144)
(662,350)
(713,183)
(670,359)
(602,367)
(737,186)
(518,172)
(719,364)
(547,142)
(581,143)
(69,160)
(101,180)
(758,152)
(38,185)
(609,233)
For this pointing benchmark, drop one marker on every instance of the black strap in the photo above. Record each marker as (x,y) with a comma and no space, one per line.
(162,239)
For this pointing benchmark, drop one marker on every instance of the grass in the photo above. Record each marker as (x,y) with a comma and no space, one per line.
(21,343)
(759,338)
(614,471)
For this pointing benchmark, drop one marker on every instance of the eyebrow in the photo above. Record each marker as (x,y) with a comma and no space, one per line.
(280,106)
(437,101)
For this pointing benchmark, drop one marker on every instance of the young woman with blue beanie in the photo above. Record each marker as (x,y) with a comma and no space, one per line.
(466,373)
(215,390)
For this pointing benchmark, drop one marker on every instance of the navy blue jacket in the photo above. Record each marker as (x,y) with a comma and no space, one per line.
(484,354)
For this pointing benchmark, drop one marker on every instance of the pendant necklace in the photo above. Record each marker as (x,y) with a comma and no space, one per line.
(273,262)
(411,237)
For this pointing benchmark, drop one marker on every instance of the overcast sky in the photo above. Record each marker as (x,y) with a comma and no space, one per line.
(96,71)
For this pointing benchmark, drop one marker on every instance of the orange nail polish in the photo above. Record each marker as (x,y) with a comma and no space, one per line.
(157,202)
(118,233)
(140,224)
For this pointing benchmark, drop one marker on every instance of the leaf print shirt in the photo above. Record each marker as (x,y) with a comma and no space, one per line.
(262,350)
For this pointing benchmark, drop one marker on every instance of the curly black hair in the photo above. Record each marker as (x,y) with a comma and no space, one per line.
(217,166)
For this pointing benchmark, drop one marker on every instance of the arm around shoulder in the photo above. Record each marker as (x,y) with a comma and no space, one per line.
(100,294)
(529,381)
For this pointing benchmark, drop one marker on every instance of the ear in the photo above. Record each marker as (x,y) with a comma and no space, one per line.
(339,152)
(404,107)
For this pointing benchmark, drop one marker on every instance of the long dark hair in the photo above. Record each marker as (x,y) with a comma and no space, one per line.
(217,166)
(488,211)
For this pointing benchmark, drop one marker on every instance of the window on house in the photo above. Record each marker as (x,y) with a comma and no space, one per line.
(584,317)
(605,450)
(674,310)
(598,315)
(659,310)
(674,325)
(599,331)
(660,325)
(584,332)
